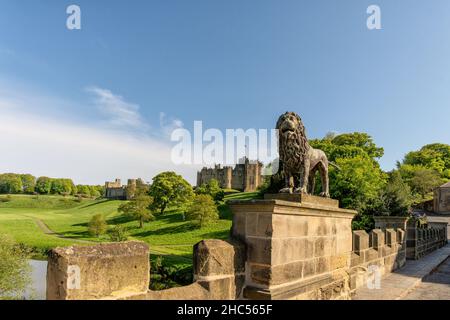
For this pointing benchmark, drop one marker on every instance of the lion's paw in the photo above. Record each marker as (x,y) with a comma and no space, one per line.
(286,190)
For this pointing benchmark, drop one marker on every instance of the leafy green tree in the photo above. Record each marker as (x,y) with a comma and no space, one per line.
(62,186)
(203,210)
(424,181)
(168,188)
(10,183)
(97,226)
(28,183)
(357,183)
(359,140)
(118,233)
(138,209)
(84,190)
(15,272)
(395,198)
(95,191)
(213,189)
(432,156)
(43,185)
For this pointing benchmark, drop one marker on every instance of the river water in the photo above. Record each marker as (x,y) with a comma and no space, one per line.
(39,282)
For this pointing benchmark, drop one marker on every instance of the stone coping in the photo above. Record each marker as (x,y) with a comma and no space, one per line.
(390,218)
(104,250)
(303,198)
(289,208)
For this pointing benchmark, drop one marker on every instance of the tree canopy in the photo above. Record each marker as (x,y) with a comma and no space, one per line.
(170,188)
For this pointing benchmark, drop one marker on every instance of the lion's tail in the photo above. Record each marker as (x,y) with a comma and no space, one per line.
(335,165)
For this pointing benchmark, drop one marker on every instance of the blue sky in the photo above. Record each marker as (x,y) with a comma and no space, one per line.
(97,103)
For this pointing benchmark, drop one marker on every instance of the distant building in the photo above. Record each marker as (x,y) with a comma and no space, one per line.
(442,199)
(116,191)
(245,176)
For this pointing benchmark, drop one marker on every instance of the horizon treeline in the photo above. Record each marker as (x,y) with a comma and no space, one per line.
(15,183)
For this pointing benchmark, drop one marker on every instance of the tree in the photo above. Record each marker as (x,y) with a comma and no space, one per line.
(62,186)
(15,272)
(203,210)
(213,189)
(118,233)
(424,181)
(84,190)
(357,183)
(395,198)
(28,183)
(10,183)
(170,188)
(434,156)
(43,185)
(138,209)
(97,226)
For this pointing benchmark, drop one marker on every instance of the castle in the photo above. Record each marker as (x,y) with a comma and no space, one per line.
(116,191)
(245,176)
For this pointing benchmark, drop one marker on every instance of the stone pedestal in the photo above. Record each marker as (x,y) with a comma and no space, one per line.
(298,247)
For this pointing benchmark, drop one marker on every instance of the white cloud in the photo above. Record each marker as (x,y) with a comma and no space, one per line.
(46,144)
(169,124)
(120,112)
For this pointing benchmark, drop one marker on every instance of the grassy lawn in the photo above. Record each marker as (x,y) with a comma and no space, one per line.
(168,235)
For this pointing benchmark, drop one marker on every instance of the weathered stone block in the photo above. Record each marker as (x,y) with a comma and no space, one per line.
(338,262)
(98,272)
(217,257)
(377,239)
(259,250)
(238,227)
(370,255)
(264,225)
(309,268)
(391,237)
(360,241)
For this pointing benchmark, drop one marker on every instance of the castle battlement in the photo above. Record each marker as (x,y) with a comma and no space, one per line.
(245,176)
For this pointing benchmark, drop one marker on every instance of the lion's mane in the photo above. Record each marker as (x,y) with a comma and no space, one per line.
(292,149)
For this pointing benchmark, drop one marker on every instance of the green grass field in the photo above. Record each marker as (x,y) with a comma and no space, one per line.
(45,222)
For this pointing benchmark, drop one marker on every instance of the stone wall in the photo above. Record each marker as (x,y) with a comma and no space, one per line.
(121,271)
(423,240)
(380,251)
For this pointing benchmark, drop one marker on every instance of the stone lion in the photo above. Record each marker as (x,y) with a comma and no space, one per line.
(299,158)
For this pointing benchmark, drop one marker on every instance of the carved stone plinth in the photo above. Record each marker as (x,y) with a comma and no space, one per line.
(296,249)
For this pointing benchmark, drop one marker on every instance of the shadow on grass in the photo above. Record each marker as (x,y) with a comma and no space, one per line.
(222,235)
(95,203)
(70,234)
(186,227)
(119,220)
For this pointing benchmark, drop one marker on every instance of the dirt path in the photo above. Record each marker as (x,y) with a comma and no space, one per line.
(45,229)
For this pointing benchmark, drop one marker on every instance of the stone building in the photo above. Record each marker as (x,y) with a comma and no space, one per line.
(116,191)
(442,199)
(245,176)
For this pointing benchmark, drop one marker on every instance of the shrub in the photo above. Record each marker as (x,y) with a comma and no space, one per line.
(97,226)
(203,210)
(165,275)
(15,272)
(118,233)
(8,198)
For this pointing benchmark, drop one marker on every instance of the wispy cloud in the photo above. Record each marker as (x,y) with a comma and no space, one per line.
(54,145)
(168,124)
(120,112)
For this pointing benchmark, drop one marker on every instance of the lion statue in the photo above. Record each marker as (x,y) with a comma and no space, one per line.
(299,158)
